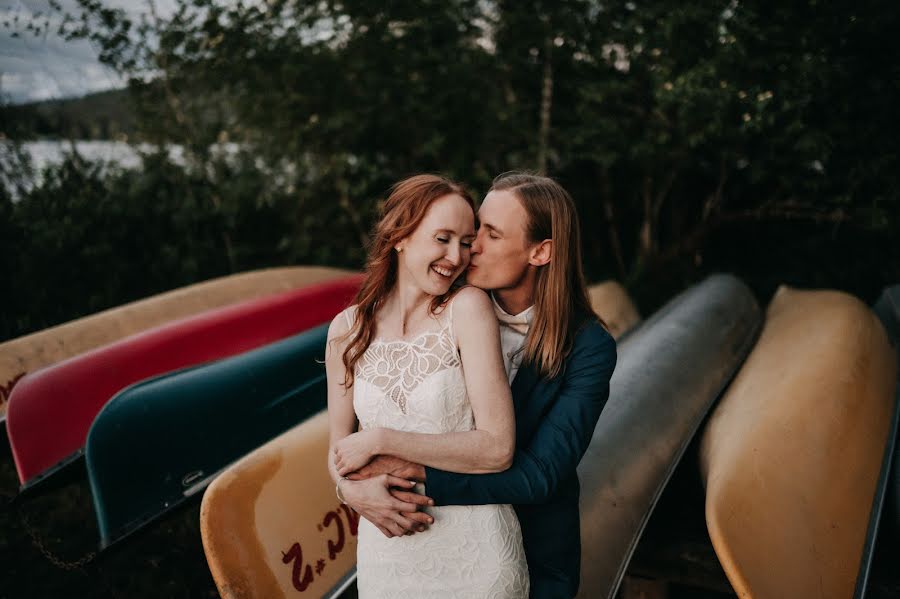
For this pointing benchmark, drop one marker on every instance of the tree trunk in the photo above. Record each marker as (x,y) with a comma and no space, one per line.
(611,225)
(546,106)
(647,232)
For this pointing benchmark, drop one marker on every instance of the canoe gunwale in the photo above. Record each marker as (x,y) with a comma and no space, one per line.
(342,585)
(118,535)
(36,483)
(879,500)
(40,481)
(746,347)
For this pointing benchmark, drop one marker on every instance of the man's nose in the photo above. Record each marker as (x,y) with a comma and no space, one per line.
(476,244)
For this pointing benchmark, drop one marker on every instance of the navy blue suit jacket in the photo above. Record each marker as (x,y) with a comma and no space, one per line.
(555,419)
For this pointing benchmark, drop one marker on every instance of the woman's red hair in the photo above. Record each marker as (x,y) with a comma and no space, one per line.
(401,214)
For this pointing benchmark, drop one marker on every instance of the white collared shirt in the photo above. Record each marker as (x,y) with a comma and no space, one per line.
(513,329)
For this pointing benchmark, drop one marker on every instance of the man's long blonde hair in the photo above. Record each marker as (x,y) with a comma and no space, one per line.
(560,294)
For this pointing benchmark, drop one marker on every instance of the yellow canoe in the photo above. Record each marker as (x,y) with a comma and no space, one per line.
(610,300)
(792,455)
(25,354)
(272,526)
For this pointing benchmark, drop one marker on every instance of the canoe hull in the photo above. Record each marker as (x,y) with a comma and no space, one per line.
(272,526)
(610,300)
(792,454)
(669,372)
(163,440)
(51,410)
(26,354)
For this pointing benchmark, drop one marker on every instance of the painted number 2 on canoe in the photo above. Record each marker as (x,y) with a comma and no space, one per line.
(302,570)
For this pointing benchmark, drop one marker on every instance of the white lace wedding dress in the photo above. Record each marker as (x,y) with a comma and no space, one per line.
(470,551)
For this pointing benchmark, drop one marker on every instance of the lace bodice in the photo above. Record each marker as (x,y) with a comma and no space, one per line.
(415,384)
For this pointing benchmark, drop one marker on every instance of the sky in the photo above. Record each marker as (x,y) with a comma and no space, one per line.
(40,68)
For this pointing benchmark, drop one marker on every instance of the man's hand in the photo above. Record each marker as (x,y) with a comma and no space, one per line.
(385,464)
(392,510)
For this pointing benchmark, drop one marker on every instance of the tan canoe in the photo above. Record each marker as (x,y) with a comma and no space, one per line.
(791,456)
(26,354)
(272,526)
(610,300)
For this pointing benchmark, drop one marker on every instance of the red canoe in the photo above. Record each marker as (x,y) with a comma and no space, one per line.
(51,410)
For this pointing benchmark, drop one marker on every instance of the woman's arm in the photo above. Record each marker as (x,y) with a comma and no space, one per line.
(552,454)
(490,446)
(370,498)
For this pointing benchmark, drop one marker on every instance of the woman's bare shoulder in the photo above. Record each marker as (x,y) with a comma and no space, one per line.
(471,301)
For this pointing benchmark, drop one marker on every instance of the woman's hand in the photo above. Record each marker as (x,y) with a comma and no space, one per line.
(355,451)
(389,503)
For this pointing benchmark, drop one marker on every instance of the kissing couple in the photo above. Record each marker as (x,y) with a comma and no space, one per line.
(458,413)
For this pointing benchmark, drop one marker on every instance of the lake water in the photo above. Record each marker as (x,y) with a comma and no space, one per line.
(113,153)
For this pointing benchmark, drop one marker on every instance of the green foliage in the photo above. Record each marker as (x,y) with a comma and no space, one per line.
(678,128)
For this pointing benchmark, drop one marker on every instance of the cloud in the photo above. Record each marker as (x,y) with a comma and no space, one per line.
(48,67)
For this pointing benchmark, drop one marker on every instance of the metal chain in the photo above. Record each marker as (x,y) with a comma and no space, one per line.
(69,566)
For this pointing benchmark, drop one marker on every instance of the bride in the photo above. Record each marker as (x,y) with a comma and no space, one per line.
(416,366)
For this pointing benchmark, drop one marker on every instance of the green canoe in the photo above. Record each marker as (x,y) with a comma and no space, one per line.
(162,440)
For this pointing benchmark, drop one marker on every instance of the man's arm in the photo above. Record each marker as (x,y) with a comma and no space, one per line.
(558,444)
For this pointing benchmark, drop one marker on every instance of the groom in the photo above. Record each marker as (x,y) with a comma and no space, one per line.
(559,358)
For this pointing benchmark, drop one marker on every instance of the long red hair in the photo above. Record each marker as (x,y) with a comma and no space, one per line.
(401,214)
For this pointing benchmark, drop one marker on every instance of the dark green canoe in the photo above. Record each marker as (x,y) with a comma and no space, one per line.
(164,439)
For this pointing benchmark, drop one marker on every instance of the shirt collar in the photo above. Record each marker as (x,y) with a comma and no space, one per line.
(517,322)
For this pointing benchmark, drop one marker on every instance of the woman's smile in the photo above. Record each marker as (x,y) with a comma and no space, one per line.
(443,270)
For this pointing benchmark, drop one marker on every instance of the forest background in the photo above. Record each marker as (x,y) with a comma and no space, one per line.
(694,137)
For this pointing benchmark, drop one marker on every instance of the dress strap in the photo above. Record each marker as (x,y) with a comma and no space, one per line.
(348,317)
(450,313)
(448,321)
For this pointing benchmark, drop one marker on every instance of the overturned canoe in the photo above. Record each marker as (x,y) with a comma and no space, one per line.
(792,455)
(610,300)
(51,410)
(669,372)
(272,526)
(26,354)
(162,440)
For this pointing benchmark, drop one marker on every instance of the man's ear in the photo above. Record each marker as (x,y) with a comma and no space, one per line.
(541,253)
